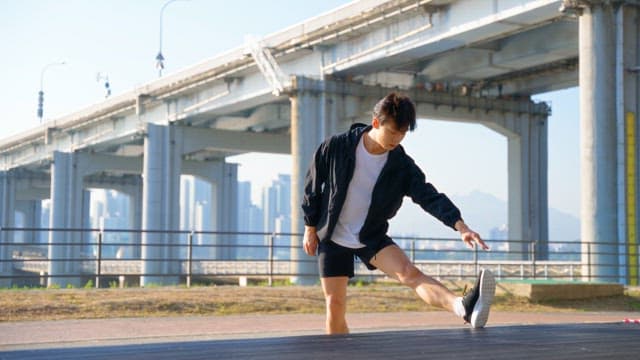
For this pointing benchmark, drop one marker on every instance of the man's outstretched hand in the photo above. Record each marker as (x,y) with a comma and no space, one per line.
(470,237)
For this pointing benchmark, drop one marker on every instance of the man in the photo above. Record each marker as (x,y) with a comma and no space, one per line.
(355,184)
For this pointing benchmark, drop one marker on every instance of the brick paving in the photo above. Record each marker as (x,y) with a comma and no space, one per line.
(74,333)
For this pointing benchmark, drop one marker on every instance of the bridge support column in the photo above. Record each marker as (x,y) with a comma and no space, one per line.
(225,192)
(134,192)
(222,206)
(66,213)
(314,116)
(599,210)
(628,115)
(30,210)
(527,173)
(161,209)
(7,219)
(89,239)
(527,135)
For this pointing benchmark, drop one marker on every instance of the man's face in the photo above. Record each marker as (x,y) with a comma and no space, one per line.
(388,135)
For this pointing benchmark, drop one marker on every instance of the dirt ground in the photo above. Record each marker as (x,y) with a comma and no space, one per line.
(49,304)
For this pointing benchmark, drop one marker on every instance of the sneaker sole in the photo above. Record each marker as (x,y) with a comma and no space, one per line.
(480,312)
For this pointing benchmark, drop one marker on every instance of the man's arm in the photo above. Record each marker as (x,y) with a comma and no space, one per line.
(316,176)
(441,207)
(312,199)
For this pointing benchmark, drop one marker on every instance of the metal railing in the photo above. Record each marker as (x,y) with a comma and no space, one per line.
(97,257)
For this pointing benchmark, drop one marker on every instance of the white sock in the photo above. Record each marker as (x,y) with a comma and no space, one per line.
(458,308)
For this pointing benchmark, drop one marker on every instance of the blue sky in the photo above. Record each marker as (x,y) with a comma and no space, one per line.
(120,38)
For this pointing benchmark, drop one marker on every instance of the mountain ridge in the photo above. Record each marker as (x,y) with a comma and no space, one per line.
(483,212)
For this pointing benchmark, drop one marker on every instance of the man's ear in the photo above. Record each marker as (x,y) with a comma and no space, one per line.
(375,122)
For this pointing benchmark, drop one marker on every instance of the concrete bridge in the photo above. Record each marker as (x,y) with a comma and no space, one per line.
(473,61)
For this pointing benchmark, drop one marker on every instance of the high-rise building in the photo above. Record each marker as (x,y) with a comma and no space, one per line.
(276,201)
(244,205)
(250,219)
(195,196)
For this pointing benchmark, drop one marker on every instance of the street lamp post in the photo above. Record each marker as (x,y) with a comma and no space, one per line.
(159,57)
(41,92)
(107,86)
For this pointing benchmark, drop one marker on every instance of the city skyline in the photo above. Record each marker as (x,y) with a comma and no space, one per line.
(38,33)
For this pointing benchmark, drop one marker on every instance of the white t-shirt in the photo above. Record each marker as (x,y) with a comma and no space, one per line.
(356,206)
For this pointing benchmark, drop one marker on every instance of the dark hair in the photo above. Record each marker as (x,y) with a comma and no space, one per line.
(397,108)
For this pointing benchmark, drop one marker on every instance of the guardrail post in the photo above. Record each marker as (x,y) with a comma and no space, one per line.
(546,271)
(475,258)
(271,259)
(413,252)
(533,258)
(189,257)
(99,266)
(571,272)
(589,262)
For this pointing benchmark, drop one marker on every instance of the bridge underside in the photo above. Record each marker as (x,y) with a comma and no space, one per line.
(316,109)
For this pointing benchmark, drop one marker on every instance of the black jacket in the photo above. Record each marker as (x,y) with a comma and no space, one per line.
(331,171)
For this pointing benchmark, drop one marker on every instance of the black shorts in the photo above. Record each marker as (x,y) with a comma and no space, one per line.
(337,260)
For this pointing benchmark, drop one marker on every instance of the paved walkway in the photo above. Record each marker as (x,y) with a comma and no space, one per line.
(104,332)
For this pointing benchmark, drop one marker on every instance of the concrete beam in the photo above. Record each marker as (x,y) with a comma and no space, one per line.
(96,162)
(459,25)
(264,117)
(433,105)
(196,139)
(525,50)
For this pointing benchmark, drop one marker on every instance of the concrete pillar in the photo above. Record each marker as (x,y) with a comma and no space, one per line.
(135,213)
(341,111)
(527,173)
(66,213)
(36,208)
(7,218)
(226,195)
(306,136)
(599,211)
(527,136)
(628,168)
(222,207)
(88,238)
(161,190)
(132,188)
(30,210)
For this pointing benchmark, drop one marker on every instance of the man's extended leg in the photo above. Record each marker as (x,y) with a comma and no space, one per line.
(394,262)
(474,307)
(335,294)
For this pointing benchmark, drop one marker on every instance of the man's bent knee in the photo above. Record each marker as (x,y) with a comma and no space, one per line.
(410,275)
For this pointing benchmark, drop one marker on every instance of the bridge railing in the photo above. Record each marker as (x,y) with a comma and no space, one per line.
(104,257)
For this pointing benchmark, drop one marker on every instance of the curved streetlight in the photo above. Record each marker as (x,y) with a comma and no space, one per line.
(159,57)
(41,92)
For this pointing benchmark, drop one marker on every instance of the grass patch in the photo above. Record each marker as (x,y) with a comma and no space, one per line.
(85,303)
